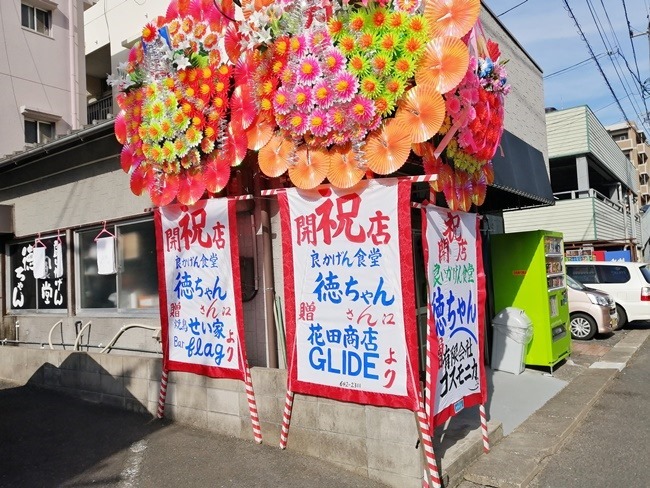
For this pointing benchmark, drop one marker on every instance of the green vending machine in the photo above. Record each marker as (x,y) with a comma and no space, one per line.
(528,273)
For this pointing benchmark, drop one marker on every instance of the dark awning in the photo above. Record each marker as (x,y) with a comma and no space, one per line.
(520,177)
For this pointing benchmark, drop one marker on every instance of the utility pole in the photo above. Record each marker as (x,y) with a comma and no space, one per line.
(646,83)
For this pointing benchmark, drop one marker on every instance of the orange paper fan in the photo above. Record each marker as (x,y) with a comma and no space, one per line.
(422,110)
(388,147)
(479,188)
(451,18)
(259,133)
(274,157)
(311,169)
(445,178)
(344,171)
(443,64)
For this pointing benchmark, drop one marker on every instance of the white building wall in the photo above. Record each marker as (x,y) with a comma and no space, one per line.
(40,72)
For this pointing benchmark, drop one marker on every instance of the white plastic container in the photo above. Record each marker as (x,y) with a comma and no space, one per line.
(512,331)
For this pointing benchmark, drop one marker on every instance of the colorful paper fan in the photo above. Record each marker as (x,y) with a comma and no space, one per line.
(451,18)
(488,171)
(344,171)
(259,133)
(274,157)
(236,144)
(141,178)
(388,147)
(443,64)
(479,188)
(191,187)
(126,158)
(216,174)
(311,169)
(120,127)
(242,107)
(244,71)
(422,110)
(432,166)
(231,42)
(463,184)
(445,178)
(163,193)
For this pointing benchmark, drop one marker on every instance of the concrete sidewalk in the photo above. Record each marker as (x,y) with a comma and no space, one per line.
(517,458)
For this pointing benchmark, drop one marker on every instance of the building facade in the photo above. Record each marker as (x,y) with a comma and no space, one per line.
(595,186)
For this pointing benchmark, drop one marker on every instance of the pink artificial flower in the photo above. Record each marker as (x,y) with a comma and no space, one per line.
(465,139)
(282,101)
(338,118)
(308,70)
(362,110)
(469,95)
(334,61)
(298,46)
(345,86)
(453,105)
(302,98)
(298,122)
(319,40)
(323,94)
(319,124)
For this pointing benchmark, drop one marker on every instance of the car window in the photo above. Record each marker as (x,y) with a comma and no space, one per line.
(646,273)
(613,274)
(583,274)
(576,285)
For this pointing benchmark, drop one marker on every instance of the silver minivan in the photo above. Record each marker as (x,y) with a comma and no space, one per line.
(591,311)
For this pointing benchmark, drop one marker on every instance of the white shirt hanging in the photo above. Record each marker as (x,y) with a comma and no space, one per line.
(40,266)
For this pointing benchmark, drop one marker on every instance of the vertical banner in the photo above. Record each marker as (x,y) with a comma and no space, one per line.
(199,283)
(349,296)
(456,284)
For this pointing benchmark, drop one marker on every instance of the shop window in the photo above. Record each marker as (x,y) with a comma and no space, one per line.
(37,131)
(28,293)
(36,19)
(134,284)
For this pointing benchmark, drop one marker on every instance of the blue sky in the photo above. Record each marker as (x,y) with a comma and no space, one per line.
(545,29)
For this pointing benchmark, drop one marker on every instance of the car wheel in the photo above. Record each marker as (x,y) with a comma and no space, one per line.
(583,327)
(622,316)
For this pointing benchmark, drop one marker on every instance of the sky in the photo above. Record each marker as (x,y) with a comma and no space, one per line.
(547,32)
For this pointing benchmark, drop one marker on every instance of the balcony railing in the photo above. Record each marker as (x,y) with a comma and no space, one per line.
(101,109)
(643,168)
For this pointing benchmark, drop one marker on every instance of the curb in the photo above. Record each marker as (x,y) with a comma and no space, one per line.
(519,457)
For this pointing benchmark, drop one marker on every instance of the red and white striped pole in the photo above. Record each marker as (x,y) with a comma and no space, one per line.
(286,419)
(163,393)
(427,443)
(484,429)
(252,406)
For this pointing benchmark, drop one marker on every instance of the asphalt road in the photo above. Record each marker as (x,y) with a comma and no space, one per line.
(51,440)
(611,448)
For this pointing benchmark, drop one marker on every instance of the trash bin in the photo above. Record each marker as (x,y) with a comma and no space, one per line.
(513,330)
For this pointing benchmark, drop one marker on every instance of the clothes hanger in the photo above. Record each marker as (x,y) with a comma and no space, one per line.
(38,241)
(102,232)
(58,236)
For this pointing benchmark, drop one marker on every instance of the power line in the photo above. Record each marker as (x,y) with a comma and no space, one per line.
(593,56)
(512,8)
(573,66)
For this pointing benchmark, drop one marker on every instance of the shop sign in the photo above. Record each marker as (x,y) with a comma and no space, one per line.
(48,290)
(200,297)
(456,284)
(349,296)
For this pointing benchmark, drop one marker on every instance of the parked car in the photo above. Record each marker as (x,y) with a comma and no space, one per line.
(627,283)
(591,311)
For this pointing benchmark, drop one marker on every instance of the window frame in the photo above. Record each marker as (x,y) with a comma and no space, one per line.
(38,131)
(34,9)
(31,311)
(108,312)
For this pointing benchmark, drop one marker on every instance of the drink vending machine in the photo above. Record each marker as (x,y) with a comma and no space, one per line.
(528,273)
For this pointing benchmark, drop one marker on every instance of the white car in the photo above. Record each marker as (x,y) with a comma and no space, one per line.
(627,283)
